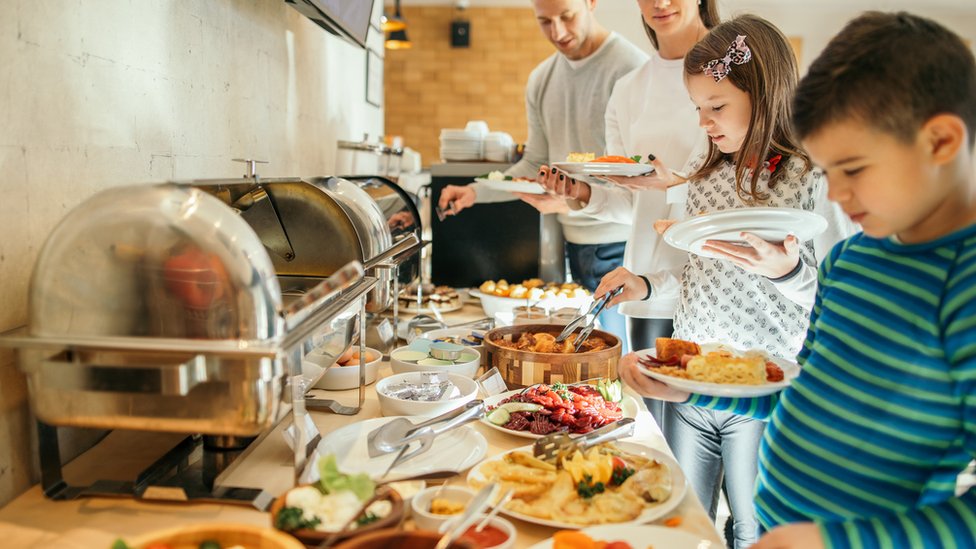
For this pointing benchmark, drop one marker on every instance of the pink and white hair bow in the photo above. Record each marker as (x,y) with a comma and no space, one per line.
(737,54)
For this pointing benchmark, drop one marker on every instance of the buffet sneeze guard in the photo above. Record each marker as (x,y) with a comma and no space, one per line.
(175,308)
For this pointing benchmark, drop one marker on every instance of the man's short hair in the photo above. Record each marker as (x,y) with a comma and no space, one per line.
(892,72)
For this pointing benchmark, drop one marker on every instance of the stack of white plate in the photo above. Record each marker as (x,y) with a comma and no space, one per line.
(461,145)
(498,147)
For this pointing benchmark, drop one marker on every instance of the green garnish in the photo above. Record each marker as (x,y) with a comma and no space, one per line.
(620,475)
(332,481)
(367,518)
(290,519)
(587,490)
(119,544)
(636,158)
(209,544)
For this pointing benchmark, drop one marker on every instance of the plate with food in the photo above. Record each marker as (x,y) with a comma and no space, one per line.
(606,165)
(444,298)
(716,370)
(613,536)
(575,409)
(502,297)
(497,181)
(612,483)
(772,224)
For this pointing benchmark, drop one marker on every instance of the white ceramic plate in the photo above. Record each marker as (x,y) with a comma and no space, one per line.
(516,186)
(790,371)
(603,168)
(678,486)
(455,450)
(493,304)
(628,406)
(640,537)
(426,309)
(772,224)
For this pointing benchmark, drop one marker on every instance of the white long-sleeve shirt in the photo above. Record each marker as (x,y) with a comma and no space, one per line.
(565,106)
(649,112)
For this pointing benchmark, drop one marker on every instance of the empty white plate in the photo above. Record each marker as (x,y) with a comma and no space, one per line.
(772,224)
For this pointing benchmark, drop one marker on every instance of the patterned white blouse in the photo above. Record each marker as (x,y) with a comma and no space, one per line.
(720,302)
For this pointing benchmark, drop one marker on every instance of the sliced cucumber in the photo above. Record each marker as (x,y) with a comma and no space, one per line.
(521,407)
(611,391)
(499,416)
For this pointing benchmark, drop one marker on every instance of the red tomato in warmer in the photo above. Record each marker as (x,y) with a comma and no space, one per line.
(194,277)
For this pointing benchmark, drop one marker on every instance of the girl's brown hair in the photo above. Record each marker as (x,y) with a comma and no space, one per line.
(770,79)
(707,10)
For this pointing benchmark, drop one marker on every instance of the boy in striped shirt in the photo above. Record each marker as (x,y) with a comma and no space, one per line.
(864,448)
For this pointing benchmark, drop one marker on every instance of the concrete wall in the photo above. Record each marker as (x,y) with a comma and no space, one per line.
(98,93)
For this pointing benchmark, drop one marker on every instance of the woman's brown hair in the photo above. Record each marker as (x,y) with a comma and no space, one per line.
(707,10)
(770,79)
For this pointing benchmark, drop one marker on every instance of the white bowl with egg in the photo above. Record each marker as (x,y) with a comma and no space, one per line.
(410,359)
(446,497)
(338,377)
(467,389)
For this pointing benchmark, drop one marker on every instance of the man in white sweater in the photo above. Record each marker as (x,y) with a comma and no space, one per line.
(566,99)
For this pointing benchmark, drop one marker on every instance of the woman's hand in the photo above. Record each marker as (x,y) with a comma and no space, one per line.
(646,386)
(660,179)
(461,196)
(634,287)
(561,184)
(800,535)
(760,256)
(545,203)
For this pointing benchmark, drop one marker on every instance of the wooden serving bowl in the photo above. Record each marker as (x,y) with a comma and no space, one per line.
(523,368)
(226,534)
(315,537)
(401,539)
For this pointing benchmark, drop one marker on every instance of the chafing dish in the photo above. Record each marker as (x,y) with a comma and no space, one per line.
(158,308)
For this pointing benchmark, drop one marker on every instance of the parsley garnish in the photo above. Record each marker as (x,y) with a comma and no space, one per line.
(290,519)
(620,475)
(587,490)
(636,158)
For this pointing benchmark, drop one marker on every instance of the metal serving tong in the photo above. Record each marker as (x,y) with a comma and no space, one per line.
(595,309)
(553,446)
(397,435)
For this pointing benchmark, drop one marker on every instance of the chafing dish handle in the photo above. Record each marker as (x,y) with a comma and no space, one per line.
(345,277)
(409,243)
(70,372)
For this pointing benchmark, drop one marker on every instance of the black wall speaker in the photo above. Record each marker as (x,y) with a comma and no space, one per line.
(460,34)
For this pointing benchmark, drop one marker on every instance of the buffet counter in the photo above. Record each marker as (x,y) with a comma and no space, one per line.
(31,520)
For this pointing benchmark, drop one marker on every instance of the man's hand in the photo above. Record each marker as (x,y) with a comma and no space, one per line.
(759,256)
(545,203)
(461,196)
(646,386)
(800,535)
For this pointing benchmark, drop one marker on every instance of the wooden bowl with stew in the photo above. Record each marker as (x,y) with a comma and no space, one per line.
(528,366)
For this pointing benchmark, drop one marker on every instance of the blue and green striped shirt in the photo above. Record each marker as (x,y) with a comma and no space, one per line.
(869,439)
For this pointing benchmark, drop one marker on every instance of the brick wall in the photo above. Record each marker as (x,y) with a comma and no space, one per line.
(433,86)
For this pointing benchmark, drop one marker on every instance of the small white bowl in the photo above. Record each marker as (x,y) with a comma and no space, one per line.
(338,378)
(390,406)
(420,505)
(468,368)
(434,335)
(496,521)
(407,490)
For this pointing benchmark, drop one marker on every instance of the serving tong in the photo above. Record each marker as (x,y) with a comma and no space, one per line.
(397,435)
(555,445)
(595,309)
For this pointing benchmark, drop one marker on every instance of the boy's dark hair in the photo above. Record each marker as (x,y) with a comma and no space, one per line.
(770,79)
(891,71)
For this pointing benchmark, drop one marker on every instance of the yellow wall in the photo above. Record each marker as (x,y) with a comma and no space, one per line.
(433,86)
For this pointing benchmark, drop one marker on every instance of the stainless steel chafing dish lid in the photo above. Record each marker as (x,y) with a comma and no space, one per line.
(155,261)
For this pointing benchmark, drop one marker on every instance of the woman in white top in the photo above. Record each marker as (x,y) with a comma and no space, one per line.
(649,113)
